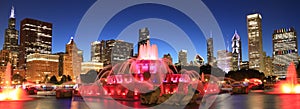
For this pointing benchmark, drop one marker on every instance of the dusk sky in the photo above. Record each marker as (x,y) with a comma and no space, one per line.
(230,15)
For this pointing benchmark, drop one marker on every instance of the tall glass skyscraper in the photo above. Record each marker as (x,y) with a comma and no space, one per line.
(35,37)
(11,34)
(255,47)
(236,51)
(210,51)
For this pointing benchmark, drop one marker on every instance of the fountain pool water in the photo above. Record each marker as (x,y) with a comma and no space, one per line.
(9,93)
(290,85)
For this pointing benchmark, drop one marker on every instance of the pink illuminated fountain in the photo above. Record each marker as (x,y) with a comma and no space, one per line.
(290,85)
(8,93)
(145,74)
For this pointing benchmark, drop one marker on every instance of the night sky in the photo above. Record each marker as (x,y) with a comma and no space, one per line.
(230,14)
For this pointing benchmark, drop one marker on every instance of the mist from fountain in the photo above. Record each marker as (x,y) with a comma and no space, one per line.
(290,85)
(9,93)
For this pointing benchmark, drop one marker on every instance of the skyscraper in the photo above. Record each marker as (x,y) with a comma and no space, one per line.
(95,51)
(182,57)
(255,48)
(117,51)
(236,51)
(224,60)
(35,37)
(210,51)
(11,41)
(285,50)
(11,34)
(144,36)
(269,66)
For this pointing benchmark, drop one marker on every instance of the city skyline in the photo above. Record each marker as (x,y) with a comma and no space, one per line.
(65,23)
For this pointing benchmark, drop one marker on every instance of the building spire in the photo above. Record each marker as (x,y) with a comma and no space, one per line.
(12,12)
(71,40)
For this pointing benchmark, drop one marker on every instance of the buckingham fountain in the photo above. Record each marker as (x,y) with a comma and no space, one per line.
(149,79)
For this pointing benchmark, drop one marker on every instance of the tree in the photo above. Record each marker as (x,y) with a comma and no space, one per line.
(240,75)
(46,78)
(53,79)
(63,79)
(69,78)
(17,77)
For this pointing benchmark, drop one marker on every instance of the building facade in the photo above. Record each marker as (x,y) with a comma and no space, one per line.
(11,34)
(72,60)
(96,49)
(118,51)
(182,57)
(224,58)
(40,65)
(285,50)
(255,47)
(35,37)
(210,52)
(269,66)
(236,51)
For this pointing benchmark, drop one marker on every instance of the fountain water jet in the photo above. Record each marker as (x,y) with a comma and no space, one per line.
(9,93)
(290,85)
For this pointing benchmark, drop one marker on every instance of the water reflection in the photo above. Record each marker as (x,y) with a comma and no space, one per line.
(289,101)
(223,101)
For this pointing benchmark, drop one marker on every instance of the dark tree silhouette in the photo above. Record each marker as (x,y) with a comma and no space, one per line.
(53,79)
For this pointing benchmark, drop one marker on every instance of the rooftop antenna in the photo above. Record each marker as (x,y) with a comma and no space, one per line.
(12,12)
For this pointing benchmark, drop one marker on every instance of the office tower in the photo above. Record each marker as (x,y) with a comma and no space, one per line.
(117,51)
(236,51)
(210,52)
(98,51)
(11,34)
(224,60)
(10,44)
(35,37)
(40,65)
(72,60)
(182,57)
(269,66)
(285,50)
(95,51)
(144,36)
(255,48)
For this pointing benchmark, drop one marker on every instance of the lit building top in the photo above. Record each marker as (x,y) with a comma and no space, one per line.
(256,15)
(236,36)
